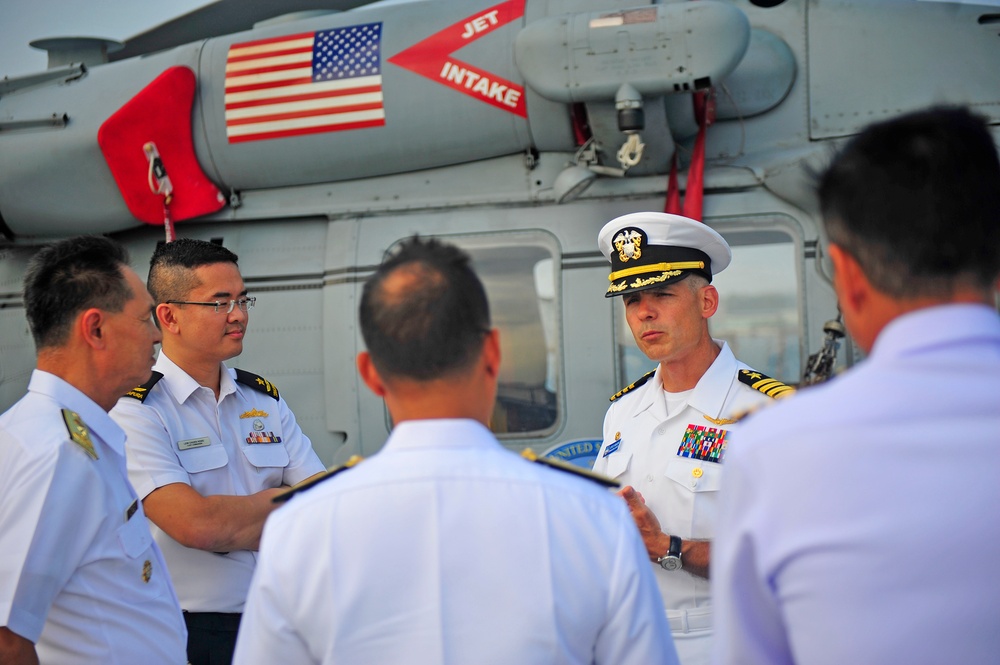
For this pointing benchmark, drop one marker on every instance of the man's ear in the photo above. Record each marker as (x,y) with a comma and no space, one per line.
(368,374)
(491,353)
(165,315)
(709,301)
(849,280)
(89,323)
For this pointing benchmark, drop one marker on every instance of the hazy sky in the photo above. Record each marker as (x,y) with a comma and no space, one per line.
(22,21)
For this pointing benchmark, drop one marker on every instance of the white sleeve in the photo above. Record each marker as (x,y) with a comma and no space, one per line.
(152,462)
(43,538)
(748,622)
(636,632)
(266,636)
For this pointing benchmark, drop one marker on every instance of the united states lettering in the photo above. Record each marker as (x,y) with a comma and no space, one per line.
(307,83)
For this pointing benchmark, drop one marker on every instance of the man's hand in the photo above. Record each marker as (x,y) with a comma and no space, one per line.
(15,649)
(657,543)
(695,554)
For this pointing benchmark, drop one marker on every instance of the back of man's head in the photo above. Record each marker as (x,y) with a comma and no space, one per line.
(916,201)
(68,277)
(424,313)
(171,269)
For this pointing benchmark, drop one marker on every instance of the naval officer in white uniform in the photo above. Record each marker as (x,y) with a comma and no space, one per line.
(666,435)
(445,547)
(208,445)
(81,579)
(861,526)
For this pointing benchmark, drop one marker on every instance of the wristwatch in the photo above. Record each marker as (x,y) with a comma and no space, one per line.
(672,559)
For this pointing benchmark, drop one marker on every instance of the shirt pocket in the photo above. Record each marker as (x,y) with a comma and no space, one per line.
(694,475)
(197,460)
(266,455)
(139,577)
(617,464)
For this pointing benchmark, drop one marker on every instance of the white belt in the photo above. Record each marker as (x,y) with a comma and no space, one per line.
(688,621)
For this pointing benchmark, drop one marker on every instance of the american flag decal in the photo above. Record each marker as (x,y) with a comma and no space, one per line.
(308,83)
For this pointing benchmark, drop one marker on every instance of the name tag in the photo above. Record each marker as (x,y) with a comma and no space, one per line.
(612,448)
(188,444)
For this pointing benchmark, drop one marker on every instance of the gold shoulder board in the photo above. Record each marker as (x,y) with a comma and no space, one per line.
(256,382)
(530,455)
(141,392)
(765,384)
(315,480)
(645,377)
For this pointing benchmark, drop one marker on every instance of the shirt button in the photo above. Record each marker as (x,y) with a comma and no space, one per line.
(696,472)
(661,429)
(649,478)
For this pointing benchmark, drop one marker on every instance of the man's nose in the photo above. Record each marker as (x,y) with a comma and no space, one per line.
(643,308)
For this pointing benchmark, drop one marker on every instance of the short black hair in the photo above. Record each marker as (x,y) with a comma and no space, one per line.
(166,282)
(432,321)
(916,201)
(68,277)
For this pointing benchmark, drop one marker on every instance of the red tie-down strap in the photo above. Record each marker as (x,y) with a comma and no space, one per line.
(158,119)
(704,112)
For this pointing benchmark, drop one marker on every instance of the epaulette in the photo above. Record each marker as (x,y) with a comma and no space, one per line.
(645,377)
(315,480)
(553,463)
(141,392)
(765,384)
(78,432)
(256,382)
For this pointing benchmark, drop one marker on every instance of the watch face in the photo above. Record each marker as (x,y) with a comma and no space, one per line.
(671,563)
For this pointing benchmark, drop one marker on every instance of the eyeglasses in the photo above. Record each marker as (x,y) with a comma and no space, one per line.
(245,304)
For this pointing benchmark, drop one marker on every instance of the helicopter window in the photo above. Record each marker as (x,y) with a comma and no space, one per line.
(518,271)
(758,311)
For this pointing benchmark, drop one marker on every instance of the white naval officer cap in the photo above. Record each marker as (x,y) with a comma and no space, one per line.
(649,249)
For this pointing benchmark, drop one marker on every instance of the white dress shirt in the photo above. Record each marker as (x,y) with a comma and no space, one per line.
(859,520)
(242,443)
(446,548)
(643,448)
(80,574)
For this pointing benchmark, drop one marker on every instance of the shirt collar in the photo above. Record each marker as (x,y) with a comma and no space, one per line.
(68,396)
(712,390)
(181,385)
(709,394)
(941,325)
(440,433)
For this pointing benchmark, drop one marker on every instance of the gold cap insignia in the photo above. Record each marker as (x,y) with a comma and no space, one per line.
(629,245)
(78,431)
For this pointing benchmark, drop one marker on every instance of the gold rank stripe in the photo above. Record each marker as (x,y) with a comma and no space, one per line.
(656,267)
(773,388)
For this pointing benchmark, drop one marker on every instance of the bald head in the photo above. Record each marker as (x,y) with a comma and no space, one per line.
(424,312)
